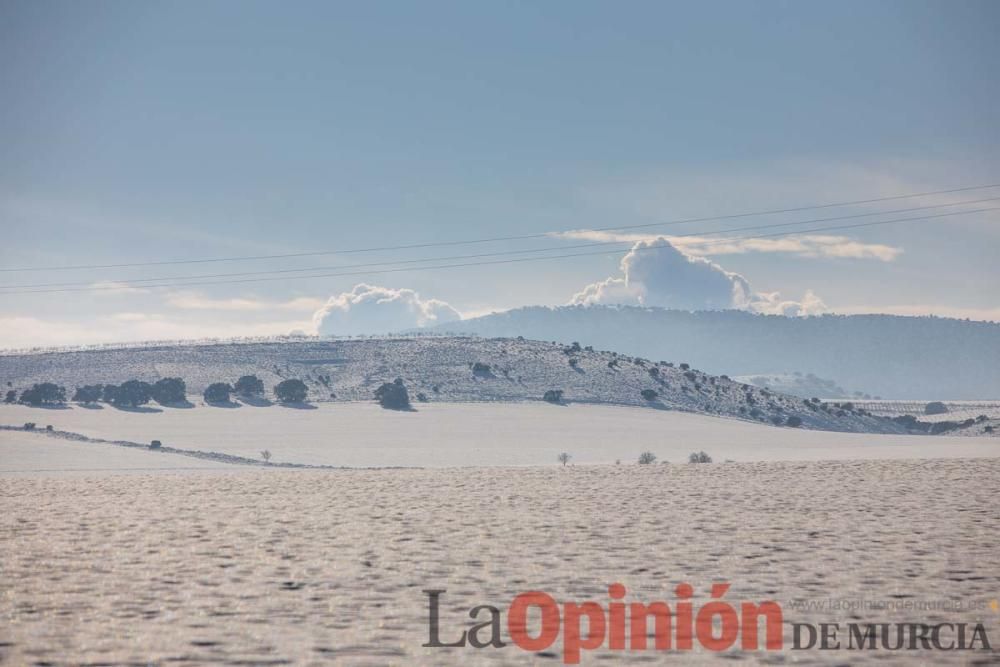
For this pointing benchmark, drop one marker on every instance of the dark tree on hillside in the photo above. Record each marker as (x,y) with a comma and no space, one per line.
(130,394)
(649,394)
(553,396)
(218,392)
(11,397)
(291,391)
(169,391)
(249,386)
(393,395)
(90,393)
(45,393)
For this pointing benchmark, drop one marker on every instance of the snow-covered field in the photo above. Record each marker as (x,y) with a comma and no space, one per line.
(329,567)
(474,434)
(35,454)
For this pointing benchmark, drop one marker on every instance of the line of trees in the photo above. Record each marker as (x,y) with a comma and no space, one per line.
(252,387)
(165,391)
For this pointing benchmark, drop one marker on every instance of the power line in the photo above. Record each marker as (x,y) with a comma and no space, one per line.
(139,281)
(511,261)
(493,239)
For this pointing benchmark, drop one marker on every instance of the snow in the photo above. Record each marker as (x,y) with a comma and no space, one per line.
(329,567)
(34,454)
(475,434)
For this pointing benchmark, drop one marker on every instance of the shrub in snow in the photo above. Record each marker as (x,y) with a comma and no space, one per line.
(646,458)
(291,391)
(11,397)
(685,367)
(794,421)
(249,386)
(942,427)
(422,397)
(393,395)
(218,392)
(553,396)
(156,444)
(699,457)
(935,408)
(168,391)
(649,394)
(479,369)
(29,426)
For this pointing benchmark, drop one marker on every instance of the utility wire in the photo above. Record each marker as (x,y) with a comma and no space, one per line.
(493,239)
(139,281)
(509,261)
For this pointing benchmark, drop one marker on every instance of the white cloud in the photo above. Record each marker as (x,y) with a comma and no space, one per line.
(655,273)
(111,288)
(771,303)
(29,332)
(198,301)
(368,309)
(807,245)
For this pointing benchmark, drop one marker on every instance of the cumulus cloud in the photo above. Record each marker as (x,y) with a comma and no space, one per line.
(771,303)
(655,273)
(368,309)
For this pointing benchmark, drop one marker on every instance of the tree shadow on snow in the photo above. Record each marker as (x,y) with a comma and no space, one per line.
(257,402)
(221,404)
(298,406)
(90,406)
(138,408)
(184,405)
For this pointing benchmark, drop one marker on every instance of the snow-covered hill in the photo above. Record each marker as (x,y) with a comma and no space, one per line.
(441,369)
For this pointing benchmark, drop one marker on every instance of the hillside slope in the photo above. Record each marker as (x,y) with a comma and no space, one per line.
(895,357)
(442,369)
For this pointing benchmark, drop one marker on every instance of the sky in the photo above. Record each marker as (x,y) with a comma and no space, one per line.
(146,132)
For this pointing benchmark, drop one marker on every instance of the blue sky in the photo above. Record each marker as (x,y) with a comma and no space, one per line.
(151,131)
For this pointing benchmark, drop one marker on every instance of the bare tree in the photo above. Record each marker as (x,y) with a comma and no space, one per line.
(646,458)
(564,458)
(266,455)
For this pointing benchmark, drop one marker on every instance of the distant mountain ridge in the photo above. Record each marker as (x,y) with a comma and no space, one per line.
(893,356)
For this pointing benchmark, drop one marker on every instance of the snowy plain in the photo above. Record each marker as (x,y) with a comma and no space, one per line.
(329,567)
(466,434)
